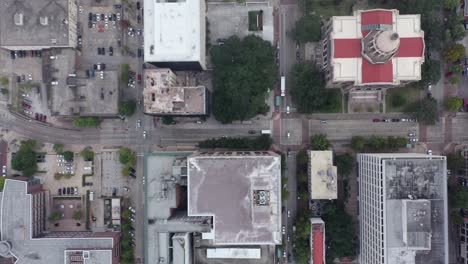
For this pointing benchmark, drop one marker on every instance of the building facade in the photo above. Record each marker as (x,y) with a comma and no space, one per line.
(372,49)
(402,208)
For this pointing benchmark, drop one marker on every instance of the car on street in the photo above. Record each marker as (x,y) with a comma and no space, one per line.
(144,134)
(287,109)
(289,153)
(138,123)
(140,53)
(132,169)
(413,139)
(138,5)
(288,134)
(133,175)
(59,191)
(132,209)
(283,230)
(429,151)
(126,189)
(395,120)
(111,51)
(289,213)
(138,19)
(386,120)
(323,121)
(252,132)
(411,134)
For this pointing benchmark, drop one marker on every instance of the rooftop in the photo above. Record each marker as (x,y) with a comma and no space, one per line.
(174,31)
(35,23)
(15,227)
(377,47)
(323,183)
(416,208)
(164,93)
(317,238)
(247,187)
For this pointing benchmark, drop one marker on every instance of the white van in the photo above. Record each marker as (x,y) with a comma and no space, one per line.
(266,131)
(91,196)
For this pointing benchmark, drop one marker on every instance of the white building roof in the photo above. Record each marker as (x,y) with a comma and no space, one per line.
(322,175)
(233,253)
(174,31)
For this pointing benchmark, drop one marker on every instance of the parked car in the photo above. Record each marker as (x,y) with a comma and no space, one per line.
(132,169)
(395,120)
(252,132)
(411,134)
(132,209)
(68,190)
(414,139)
(111,51)
(132,175)
(59,191)
(283,230)
(323,121)
(288,109)
(138,5)
(44,118)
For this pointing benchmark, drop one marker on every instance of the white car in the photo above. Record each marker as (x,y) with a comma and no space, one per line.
(4,171)
(289,213)
(131,209)
(429,151)
(98,17)
(102,75)
(283,230)
(80,9)
(411,134)
(289,134)
(144,134)
(287,109)
(414,140)
(138,123)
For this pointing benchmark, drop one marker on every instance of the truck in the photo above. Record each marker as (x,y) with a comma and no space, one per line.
(283,86)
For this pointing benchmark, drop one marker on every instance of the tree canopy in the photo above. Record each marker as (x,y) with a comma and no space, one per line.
(454,52)
(453,103)
(430,72)
(127,108)
(455,161)
(358,143)
(25,158)
(319,142)
(451,4)
(308,90)
(127,156)
(58,148)
(86,122)
(55,216)
(308,29)
(87,154)
(68,155)
(344,163)
(262,142)
(425,110)
(244,70)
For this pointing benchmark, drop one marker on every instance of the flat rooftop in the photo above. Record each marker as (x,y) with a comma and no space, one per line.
(174,31)
(164,94)
(242,191)
(323,175)
(15,227)
(416,209)
(88,256)
(73,95)
(35,23)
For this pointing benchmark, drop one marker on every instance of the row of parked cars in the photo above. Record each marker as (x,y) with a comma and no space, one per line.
(412,120)
(25,53)
(68,191)
(102,51)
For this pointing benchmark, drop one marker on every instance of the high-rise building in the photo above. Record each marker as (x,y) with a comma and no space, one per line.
(402,208)
(175,34)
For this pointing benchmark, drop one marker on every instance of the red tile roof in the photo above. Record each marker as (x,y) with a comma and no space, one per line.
(347,48)
(411,47)
(376,73)
(376,17)
(317,244)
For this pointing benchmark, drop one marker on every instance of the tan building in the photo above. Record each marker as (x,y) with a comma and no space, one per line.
(373,49)
(322,175)
(166,94)
(38,24)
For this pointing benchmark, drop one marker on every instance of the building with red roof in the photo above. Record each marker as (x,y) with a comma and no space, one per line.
(373,48)
(317,241)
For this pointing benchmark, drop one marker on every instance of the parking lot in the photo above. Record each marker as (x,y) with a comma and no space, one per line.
(113,183)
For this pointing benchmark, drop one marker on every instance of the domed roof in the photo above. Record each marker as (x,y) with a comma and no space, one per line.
(379,46)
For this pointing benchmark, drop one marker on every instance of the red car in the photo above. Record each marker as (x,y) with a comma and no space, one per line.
(139,78)
(375,120)
(44,117)
(36,116)
(25,105)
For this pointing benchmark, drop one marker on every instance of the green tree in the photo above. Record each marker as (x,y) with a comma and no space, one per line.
(2,183)
(55,216)
(344,163)
(302,158)
(308,29)
(358,143)
(454,79)
(86,122)
(25,158)
(87,154)
(319,142)
(451,4)
(127,156)
(430,72)
(425,111)
(125,171)
(453,104)
(377,143)
(302,178)
(459,198)
(307,88)
(124,73)
(244,71)
(68,155)
(77,215)
(455,162)
(456,68)
(127,108)
(58,148)
(4,81)
(397,100)
(126,214)
(458,32)
(284,194)
(454,52)
(168,120)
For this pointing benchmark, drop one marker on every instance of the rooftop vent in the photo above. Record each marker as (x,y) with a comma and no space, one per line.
(44,21)
(18,17)
(86,254)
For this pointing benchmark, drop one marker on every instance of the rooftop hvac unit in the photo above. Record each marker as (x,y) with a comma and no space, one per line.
(85,254)
(44,21)
(18,17)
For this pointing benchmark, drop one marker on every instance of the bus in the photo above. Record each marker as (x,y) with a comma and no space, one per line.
(283,86)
